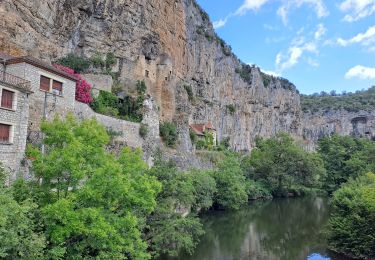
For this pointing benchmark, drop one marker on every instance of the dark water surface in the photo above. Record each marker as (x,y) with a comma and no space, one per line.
(280,229)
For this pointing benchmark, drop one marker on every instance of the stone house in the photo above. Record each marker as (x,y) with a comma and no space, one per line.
(14,114)
(201,129)
(54,90)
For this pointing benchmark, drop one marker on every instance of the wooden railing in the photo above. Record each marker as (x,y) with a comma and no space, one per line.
(14,80)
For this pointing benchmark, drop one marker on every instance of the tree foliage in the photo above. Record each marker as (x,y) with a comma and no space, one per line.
(230,183)
(345,157)
(282,167)
(92,205)
(351,228)
(352,102)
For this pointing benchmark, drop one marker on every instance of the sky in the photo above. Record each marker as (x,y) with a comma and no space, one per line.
(319,45)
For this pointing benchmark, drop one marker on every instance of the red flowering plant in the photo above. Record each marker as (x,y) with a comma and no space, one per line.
(83,88)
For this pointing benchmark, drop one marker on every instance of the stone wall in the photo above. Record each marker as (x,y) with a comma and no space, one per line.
(40,101)
(12,154)
(99,82)
(128,132)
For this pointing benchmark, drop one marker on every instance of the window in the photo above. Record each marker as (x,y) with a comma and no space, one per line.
(7,99)
(5,133)
(57,88)
(46,83)
(147,73)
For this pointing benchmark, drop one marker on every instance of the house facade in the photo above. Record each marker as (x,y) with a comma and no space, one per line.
(15,94)
(30,91)
(54,90)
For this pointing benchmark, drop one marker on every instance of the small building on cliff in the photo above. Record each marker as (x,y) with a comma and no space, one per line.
(14,115)
(202,129)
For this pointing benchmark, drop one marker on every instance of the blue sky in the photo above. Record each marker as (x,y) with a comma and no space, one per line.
(319,45)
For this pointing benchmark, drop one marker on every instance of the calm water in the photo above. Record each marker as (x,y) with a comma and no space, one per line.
(281,229)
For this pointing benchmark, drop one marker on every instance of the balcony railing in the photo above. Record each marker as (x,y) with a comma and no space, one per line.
(14,81)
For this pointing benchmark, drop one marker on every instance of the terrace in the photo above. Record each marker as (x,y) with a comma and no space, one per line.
(17,82)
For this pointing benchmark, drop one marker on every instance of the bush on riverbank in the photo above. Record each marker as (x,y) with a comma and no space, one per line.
(281,167)
(345,157)
(351,228)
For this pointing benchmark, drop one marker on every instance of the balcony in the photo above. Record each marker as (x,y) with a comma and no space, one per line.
(15,81)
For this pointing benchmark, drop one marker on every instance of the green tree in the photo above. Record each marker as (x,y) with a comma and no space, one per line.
(18,236)
(204,189)
(93,205)
(281,166)
(169,232)
(351,227)
(345,157)
(230,183)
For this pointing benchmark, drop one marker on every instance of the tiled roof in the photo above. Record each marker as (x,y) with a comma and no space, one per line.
(35,62)
(199,129)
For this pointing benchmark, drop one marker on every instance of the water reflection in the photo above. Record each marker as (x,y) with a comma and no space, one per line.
(280,229)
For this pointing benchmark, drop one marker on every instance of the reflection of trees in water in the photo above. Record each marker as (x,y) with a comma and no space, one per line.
(290,228)
(280,229)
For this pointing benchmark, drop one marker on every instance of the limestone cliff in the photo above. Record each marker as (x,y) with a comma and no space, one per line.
(169,44)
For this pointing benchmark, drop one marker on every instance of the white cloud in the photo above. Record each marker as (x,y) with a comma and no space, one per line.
(320,31)
(250,5)
(361,72)
(318,5)
(357,9)
(365,38)
(298,47)
(220,23)
(270,72)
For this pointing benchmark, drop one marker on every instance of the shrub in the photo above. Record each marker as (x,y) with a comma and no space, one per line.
(231,108)
(106,103)
(143,130)
(201,144)
(168,132)
(189,91)
(351,226)
(110,60)
(256,190)
(141,87)
(75,62)
(193,136)
(97,60)
(83,88)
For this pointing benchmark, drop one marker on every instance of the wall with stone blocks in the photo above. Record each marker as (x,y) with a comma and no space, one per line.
(128,131)
(55,105)
(12,154)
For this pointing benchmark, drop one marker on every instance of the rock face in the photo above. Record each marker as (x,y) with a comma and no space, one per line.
(170,44)
(318,125)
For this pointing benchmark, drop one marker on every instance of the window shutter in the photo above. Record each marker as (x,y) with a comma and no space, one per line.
(44,83)
(7,99)
(4,133)
(57,87)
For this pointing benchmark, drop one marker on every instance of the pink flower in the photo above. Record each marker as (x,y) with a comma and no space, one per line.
(83,88)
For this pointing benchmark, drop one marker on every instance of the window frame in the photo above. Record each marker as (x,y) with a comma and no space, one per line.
(11,133)
(14,100)
(52,78)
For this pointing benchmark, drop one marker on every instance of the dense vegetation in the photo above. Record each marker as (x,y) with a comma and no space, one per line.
(281,167)
(352,102)
(130,108)
(351,228)
(344,158)
(81,64)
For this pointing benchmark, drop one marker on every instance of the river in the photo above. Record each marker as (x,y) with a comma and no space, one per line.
(280,229)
